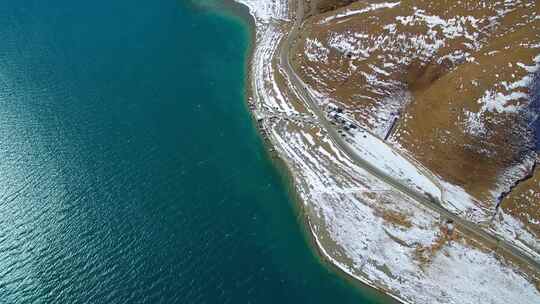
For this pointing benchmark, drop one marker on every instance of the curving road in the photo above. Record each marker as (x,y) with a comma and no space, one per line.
(472,229)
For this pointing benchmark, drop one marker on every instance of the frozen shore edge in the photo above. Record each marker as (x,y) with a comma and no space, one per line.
(267,104)
(258,15)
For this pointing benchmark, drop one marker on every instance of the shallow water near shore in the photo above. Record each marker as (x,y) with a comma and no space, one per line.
(131,171)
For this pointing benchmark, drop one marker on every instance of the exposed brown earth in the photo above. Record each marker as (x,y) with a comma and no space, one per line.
(447,234)
(322,6)
(524,203)
(395,217)
(443,141)
(442,80)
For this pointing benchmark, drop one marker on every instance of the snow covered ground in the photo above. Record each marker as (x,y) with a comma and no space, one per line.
(361,224)
(511,228)
(264,11)
(352,12)
(383,156)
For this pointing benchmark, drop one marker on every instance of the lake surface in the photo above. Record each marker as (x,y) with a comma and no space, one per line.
(130,170)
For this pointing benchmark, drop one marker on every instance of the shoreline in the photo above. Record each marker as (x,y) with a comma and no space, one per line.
(241,10)
(338,202)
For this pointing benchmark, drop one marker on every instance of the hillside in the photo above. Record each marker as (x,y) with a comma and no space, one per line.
(449,85)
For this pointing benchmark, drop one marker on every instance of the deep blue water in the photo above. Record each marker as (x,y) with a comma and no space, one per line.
(130,171)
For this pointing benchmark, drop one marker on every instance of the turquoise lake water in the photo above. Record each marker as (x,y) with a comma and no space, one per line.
(130,170)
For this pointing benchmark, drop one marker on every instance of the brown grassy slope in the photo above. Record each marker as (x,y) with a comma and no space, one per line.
(445,73)
(386,59)
(524,203)
(322,6)
(436,131)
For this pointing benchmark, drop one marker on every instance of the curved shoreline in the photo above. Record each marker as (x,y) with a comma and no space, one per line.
(273,111)
(370,290)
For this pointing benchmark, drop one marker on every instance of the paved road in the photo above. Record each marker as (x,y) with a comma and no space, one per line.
(465,226)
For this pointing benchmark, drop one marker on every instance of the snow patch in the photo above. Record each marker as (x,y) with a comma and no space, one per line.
(352,12)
